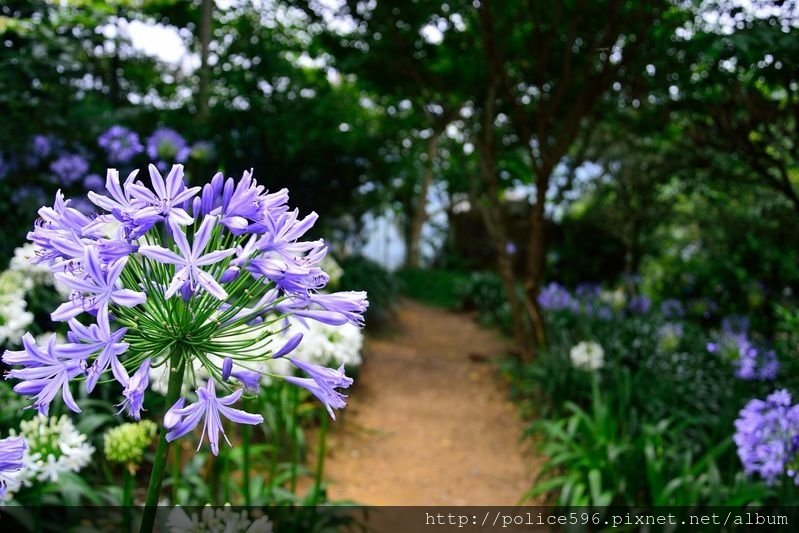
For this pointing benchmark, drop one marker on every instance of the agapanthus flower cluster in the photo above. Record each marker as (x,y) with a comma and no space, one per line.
(767,437)
(120,144)
(14,315)
(12,451)
(69,168)
(752,362)
(555,297)
(639,304)
(165,144)
(220,519)
(170,276)
(587,356)
(54,447)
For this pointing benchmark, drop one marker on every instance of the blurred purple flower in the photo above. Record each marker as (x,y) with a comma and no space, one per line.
(766,436)
(555,297)
(12,449)
(42,146)
(120,144)
(166,146)
(639,304)
(93,182)
(69,168)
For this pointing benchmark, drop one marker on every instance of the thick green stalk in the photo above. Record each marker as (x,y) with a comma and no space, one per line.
(320,459)
(176,364)
(245,463)
(127,495)
(295,445)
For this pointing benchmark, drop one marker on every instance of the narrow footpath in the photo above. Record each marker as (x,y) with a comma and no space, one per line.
(429,421)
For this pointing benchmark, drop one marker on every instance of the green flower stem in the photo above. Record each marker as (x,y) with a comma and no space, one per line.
(127,488)
(127,496)
(245,462)
(295,448)
(175,476)
(320,459)
(176,364)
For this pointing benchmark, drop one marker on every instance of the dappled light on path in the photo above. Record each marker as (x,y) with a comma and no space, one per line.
(429,422)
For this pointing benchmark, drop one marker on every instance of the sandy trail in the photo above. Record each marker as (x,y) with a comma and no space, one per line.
(429,422)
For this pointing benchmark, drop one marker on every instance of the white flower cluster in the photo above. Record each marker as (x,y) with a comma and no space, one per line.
(54,447)
(327,345)
(21,277)
(587,356)
(217,520)
(14,316)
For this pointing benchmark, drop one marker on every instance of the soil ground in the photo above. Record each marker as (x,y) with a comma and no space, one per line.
(429,421)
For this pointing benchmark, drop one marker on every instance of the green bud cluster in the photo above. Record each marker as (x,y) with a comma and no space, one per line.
(126,443)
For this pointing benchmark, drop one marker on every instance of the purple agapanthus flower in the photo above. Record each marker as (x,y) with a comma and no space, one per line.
(97,290)
(322,384)
(98,339)
(69,168)
(639,304)
(555,297)
(134,391)
(735,325)
(42,146)
(180,420)
(191,258)
(167,196)
(672,308)
(93,182)
(766,436)
(45,372)
(236,242)
(136,216)
(12,450)
(120,144)
(167,145)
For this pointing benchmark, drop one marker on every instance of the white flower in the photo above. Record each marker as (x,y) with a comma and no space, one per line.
(217,521)
(587,356)
(34,274)
(326,345)
(14,316)
(54,448)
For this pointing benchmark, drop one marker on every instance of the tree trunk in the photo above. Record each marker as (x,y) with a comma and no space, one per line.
(536,256)
(419,212)
(203,95)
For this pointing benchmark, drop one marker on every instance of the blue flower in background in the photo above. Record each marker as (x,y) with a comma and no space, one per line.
(766,436)
(93,182)
(735,325)
(202,151)
(639,304)
(672,308)
(166,145)
(42,146)
(120,144)
(69,168)
(555,297)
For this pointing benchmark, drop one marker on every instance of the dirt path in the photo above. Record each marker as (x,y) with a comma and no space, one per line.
(429,422)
